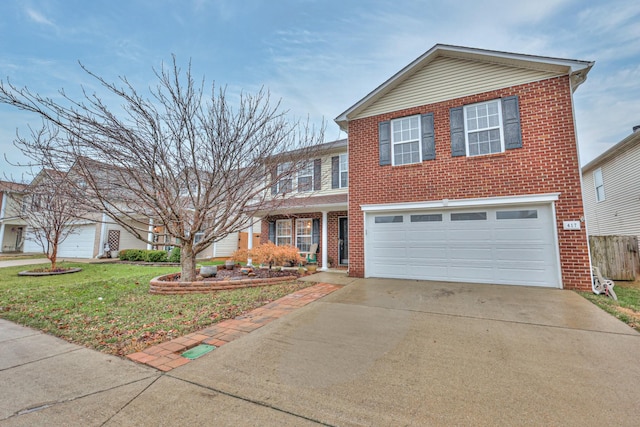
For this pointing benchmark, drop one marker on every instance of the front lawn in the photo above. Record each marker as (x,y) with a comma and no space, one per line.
(627,308)
(108,306)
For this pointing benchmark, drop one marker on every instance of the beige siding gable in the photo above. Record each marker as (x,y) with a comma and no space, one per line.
(449,78)
(619,212)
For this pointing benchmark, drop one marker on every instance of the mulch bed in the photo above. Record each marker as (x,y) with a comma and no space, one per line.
(170,284)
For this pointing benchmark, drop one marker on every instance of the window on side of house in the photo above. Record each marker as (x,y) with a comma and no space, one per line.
(303,234)
(198,237)
(599,184)
(405,140)
(284,184)
(483,128)
(283,232)
(344,170)
(305,177)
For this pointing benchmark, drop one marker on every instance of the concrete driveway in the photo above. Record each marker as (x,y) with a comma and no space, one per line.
(385,352)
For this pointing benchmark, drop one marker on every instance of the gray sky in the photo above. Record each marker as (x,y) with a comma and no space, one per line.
(319,57)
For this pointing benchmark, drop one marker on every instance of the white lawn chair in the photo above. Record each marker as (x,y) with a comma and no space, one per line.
(601,285)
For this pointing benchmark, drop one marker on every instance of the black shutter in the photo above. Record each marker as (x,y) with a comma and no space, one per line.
(272,231)
(335,172)
(384,139)
(317,174)
(274,181)
(428,137)
(315,231)
(511,123)
(456,119)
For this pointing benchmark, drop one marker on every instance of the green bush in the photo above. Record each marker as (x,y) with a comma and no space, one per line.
(156,256)
(175,255)
(122,255)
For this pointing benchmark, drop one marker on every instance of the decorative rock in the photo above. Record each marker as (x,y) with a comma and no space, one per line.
(209,271)
(246,270)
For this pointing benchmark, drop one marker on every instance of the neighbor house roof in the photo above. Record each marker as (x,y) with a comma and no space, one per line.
(576,69)
(629,142)
(12,186)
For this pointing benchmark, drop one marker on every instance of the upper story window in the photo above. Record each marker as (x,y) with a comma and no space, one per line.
(599,184)
(483,128)
(344,170)
(305,177)
(340,171)
(284,185)
(405,140)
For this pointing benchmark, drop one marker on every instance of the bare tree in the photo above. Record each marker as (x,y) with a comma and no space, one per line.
(186,159)
(50,211)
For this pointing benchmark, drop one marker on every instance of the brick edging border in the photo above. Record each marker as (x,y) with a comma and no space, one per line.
(164,287)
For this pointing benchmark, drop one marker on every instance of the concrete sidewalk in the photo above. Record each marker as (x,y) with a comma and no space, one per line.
(377,352)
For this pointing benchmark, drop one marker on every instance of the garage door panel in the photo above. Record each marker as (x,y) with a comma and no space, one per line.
(516,247)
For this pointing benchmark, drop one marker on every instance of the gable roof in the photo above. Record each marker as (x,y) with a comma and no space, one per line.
(628,142)
(576,69)
(10,186)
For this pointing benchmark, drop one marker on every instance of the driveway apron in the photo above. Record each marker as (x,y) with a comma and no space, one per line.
(385,352)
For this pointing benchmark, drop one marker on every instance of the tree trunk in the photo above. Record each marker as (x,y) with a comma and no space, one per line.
(187,263)
(53,256)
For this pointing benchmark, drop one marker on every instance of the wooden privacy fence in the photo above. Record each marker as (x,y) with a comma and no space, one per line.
(617,256)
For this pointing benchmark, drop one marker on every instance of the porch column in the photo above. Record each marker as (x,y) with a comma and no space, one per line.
(103,235)
(250,244)
(325,257)
(2,236)
(150,234)
(3,204)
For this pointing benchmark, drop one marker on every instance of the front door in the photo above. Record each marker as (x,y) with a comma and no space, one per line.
(343,243)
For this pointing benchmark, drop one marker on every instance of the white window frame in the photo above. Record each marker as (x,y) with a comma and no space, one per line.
(280,236)
(197,237)
(395,143)
(306,171)
(598,184)
(468,131)
(301,233)
(343,168)
(281,185)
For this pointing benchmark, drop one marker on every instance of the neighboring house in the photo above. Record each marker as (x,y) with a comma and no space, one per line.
(12,228)
(612,189)
(464,167)
(314,209)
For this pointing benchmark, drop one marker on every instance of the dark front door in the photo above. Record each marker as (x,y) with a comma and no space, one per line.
(343,243)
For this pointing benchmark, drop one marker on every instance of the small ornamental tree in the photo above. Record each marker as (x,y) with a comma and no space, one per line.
(196,162)
(51,212)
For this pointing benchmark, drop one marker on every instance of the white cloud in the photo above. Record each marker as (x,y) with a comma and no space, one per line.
(38,17)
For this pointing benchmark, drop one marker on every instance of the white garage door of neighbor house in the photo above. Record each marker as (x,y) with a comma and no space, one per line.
(80,243)
(501,245)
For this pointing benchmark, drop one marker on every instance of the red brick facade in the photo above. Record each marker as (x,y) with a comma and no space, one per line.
(547,163)
(332,232)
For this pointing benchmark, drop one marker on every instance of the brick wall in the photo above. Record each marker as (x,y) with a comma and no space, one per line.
(332,231)
(547,163)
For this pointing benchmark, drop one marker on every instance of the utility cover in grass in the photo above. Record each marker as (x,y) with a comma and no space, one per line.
(198,351)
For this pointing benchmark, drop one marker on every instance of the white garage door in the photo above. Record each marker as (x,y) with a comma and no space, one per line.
(502,245)
(80,243)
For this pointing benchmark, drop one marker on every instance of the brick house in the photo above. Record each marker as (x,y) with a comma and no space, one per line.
(314,210)
(464,167)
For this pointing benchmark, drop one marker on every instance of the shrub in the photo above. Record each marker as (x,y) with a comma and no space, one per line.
(155,256)
(269,253)
(132,255)
(241,255)
(175,255)
(122,255)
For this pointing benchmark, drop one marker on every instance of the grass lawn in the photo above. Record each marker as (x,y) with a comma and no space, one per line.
(108,306)
(627,308)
